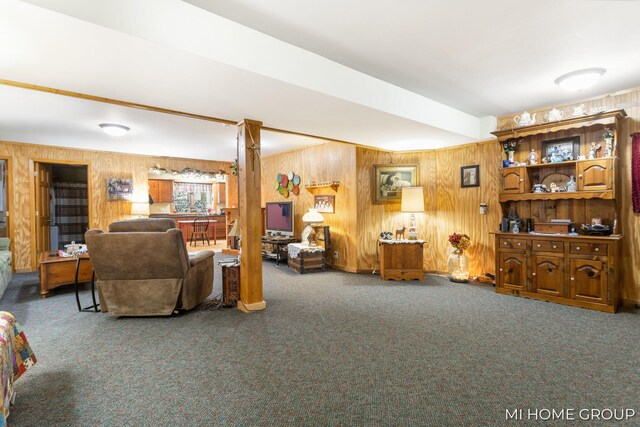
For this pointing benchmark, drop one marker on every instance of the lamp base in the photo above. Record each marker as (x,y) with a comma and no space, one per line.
(412,231)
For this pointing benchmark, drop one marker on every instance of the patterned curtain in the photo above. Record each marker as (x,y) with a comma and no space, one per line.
(71,212)
(190,187)
(635,172)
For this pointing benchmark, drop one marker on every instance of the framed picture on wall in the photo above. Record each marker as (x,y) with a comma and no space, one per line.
(388,181)
(119,189)
(470,176)
(324,203)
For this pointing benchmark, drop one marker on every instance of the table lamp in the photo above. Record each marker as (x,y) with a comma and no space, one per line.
(310,218)
(412,201)
(139,209)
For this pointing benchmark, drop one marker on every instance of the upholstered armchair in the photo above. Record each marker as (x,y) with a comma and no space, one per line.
(143,268)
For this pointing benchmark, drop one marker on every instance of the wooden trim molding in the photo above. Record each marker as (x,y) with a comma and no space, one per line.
(249,308)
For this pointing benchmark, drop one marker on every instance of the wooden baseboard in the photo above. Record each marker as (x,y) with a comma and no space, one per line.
(248,308)
(631,303)
(24,270)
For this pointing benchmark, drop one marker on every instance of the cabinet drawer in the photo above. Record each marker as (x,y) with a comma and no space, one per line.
(588,249)
(506,243)
(547,246)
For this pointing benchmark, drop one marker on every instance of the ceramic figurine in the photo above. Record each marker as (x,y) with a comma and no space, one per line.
(593,151)
(533,157)
(554,115)
(571,184)
(608,139)
(579,111)
(553,187)
(525,119)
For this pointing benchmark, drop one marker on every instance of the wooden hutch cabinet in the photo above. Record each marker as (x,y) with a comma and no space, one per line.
(573,269)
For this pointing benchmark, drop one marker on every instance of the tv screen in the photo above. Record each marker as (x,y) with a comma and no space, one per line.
(279,217)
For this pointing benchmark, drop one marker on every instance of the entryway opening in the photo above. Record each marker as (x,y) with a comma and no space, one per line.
(62,205)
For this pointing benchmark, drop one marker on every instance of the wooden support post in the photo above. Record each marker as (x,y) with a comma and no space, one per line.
(249,208)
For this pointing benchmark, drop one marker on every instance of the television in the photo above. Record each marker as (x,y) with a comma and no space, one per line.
(279,218)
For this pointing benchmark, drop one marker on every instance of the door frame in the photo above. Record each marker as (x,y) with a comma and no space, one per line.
(32,197)
(9,201)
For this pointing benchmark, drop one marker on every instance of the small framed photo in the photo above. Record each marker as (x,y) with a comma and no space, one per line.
(388,181)
(119,189)
(561,150)
(470,176)
(324,203)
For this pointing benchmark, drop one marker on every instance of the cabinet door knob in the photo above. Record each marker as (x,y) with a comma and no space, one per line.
(577,248)
(521,179)
(519,244)
(500,269)
(573,278)
(538,245)
(534,274)
(597,249)
(580,176)
(505,243)
(554,246)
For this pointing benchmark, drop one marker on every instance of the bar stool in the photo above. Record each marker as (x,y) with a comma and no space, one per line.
(95,305)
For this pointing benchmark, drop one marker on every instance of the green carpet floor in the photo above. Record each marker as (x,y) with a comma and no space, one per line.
(330,349)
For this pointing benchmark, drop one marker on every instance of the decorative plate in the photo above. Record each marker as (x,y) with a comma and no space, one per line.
(277,185)
(296,190)
(290,186)
(279,177)
(559,178)
(296,180)
(285,192)
(290,175)
(285,180)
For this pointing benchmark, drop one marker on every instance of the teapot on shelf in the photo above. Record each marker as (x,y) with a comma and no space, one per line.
(553,115)
(525,119)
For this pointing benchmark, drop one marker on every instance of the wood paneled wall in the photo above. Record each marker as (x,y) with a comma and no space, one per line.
(449,208)
(325,162)
(629,221)
(103,165)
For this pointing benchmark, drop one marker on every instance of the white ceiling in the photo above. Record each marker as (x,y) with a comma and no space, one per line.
(441,70)
(48,119)
(486,58)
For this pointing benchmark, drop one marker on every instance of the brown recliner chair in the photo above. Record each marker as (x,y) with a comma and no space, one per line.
(143,268)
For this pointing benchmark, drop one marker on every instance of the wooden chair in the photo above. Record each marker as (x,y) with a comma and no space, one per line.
(200,231)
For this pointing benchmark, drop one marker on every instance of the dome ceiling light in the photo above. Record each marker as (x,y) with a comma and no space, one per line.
(580,79)
(113,129)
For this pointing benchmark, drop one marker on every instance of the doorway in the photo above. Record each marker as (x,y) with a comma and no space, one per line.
(61,205)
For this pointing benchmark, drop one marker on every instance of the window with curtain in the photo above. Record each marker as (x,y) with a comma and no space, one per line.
(192,197)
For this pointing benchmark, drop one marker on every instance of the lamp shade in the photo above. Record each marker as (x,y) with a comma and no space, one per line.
(138,208)
(312,216)
(412,199)
(235,229)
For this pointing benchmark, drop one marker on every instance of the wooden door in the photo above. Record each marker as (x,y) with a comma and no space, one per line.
(512,272)
(43,215)
(165,191)
(589,281)
(548,275)
(595,175)
(513,180)
(154,190)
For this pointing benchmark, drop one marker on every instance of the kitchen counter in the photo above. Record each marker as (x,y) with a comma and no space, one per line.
(220,229)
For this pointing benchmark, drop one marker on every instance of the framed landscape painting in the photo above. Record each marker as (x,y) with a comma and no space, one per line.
(388,181)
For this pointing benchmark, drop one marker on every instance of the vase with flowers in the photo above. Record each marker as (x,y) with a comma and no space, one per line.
(458,261)
(509,148)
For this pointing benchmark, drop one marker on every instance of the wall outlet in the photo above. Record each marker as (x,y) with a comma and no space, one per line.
(335,254)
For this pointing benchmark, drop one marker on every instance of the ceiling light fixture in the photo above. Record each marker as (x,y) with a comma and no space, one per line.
(113,129)
(581,79)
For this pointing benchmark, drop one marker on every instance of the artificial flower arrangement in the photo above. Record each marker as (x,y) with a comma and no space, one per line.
(510,145)
(459,241)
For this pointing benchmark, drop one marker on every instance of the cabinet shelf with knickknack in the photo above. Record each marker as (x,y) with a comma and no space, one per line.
(321,185)
(573,268)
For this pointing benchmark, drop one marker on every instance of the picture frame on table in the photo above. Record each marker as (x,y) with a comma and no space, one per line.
(388,181)
(561,149)
(470,176)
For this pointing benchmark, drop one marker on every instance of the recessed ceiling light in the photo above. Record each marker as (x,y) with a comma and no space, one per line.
(581,79)
(113,129)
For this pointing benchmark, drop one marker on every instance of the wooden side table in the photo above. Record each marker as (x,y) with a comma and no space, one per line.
(304,258)
(401,259)
(58,271)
